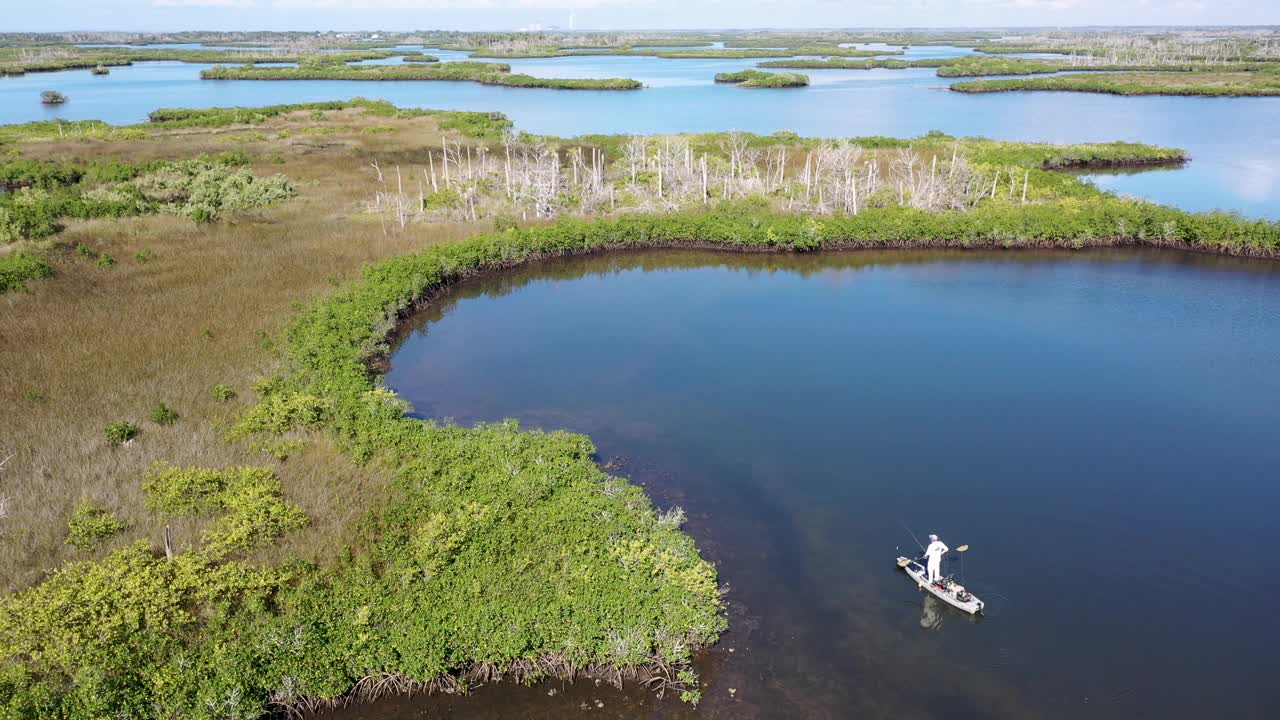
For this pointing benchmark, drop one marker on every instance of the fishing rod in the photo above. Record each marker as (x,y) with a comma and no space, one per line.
(913,535)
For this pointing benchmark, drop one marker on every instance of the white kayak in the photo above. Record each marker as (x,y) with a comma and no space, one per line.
(946,589)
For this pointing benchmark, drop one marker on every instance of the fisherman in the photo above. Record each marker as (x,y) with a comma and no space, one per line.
(934,553)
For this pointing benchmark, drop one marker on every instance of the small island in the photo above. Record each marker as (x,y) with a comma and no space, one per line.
(759,79)
(52,97)
(485,73)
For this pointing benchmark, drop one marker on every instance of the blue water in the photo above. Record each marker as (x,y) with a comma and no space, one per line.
(1097,426)
(1233,141)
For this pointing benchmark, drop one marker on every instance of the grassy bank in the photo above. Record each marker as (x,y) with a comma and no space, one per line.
(759,79)
(1207,84)
(448,556)
(483,73)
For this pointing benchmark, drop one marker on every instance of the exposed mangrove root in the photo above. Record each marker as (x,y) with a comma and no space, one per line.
(657,676)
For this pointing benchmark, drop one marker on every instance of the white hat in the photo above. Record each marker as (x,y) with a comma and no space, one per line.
(933,537)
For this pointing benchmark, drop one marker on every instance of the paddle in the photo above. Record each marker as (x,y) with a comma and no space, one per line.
(904,562)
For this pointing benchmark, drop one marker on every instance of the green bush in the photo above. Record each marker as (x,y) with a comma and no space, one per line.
(279,412)
(16,269)
(119,433)
(201,188)
(442,200)
(223,392)
(162,414)
(119,638)
(90,524)
(249,501)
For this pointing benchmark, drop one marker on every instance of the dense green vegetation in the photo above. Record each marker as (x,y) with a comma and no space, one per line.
(90,524)
(483,125)
(15,61)
(836,63)
(730,53)
(1050,156)
(17,268)
(976,66)
(199,189)
(1223,84)
(760,79)
(493,549)
(484,73)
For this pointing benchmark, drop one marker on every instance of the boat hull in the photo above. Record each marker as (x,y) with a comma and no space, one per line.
(948,594)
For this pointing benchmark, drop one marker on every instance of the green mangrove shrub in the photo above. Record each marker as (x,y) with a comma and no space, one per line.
(249,502)
(759,79)
(120,433)
(90,524)
(484,73)
(201,188)
(162,414)
(17,268)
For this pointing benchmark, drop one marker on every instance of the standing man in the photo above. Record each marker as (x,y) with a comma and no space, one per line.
(934,553)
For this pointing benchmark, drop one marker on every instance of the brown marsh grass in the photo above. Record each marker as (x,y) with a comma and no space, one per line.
(95,345)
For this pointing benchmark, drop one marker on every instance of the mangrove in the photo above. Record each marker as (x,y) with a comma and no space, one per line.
(464,71)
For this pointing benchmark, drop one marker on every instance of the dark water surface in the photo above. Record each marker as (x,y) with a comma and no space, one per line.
(1233,141)
(1099,426)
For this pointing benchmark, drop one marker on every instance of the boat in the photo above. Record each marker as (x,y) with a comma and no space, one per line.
(946,589)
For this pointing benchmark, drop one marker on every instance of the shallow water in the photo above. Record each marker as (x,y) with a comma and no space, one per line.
(1233,143)
(1098,426)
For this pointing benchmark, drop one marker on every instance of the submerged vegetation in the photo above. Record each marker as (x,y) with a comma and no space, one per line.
(481,72)
(760,79)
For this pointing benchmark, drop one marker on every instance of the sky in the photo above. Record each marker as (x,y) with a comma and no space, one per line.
(169,15)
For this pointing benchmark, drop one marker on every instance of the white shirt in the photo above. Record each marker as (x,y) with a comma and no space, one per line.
(936,549)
